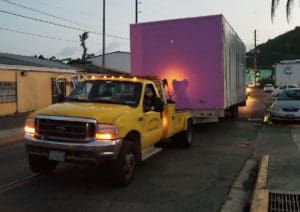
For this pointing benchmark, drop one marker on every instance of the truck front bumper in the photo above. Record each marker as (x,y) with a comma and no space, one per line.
(94,151)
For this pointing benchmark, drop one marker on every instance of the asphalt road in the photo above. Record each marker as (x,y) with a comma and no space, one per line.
(194,179)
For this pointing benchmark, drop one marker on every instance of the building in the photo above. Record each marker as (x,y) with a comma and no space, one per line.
(115,61)
(260,74)
(30,83)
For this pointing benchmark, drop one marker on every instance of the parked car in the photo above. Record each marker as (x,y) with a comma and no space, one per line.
(268,88)
(278,90)
(286,106)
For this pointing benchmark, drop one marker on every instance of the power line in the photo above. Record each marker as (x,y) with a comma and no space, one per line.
(41,12)
(37,35)
(40,36)
(56,6)
(60,25)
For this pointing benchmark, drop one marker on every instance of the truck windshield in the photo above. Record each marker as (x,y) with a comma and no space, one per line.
(107,91)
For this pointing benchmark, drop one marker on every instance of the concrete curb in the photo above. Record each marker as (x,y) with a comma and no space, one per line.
(240,192)
(11,136)
(260,200)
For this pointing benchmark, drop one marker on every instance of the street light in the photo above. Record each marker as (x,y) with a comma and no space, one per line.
(137,2)
(136,11)
(103,35)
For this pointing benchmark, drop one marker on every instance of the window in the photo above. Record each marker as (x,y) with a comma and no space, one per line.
(149,96)
(8,92)
(289,95)
(282,87)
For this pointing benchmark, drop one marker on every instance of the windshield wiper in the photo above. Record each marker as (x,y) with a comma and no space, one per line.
(72,99)
(105,101)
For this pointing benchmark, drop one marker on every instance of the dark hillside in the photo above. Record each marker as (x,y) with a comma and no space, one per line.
(283,47)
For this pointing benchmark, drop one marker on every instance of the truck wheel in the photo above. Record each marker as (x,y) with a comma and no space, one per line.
(232,112)
(41,164)
(123,168)
(236,111)
(185,138)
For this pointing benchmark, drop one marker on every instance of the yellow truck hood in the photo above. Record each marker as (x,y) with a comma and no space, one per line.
(103,113)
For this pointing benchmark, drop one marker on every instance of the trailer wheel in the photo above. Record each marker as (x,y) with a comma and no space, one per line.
(185,138)
(123,168)
(232,112)
(235,111)
(41,164)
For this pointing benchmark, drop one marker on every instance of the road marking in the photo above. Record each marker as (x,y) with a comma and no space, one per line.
(16,183)
(263,172)
(260,199)
(296,137)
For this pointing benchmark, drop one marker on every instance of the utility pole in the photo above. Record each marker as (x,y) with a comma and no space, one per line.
(254,58)
(136,11)
(103,35)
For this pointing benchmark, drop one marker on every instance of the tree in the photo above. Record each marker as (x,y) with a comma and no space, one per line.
(41,57)
(288,8)
(82,39)
(52,58)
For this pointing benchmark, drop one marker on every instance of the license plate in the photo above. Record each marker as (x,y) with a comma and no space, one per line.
(56,155)
(289,115)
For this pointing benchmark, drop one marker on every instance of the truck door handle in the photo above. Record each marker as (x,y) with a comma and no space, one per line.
(140,119)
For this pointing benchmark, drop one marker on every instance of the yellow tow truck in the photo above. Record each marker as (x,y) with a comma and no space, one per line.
(117,120)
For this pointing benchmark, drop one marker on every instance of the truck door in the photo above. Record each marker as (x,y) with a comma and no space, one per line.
(152,121)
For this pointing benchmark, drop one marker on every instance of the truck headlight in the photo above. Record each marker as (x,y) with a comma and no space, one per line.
(106,132)
(29,126)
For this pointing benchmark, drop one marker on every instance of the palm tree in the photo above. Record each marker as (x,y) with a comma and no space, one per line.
(82,39)
(288,8)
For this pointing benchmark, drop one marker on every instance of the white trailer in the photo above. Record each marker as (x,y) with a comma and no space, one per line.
(202,58)
(287,72)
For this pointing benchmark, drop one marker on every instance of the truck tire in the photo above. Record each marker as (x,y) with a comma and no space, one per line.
(232,112)
(41,164)
(123,168)
(184,139)
(235,111)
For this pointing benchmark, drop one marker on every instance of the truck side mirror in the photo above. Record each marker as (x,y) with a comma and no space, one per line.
(158,105)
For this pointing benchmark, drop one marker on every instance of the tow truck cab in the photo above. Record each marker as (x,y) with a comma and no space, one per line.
(115,120)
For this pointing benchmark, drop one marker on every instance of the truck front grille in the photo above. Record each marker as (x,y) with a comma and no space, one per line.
(66,129)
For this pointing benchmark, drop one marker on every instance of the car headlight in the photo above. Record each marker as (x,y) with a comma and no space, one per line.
(106,132)
(29,126)
(274,107)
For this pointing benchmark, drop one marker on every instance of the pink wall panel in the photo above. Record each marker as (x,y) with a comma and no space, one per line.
(188,52)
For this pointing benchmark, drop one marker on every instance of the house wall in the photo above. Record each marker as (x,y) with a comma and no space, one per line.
(34,90)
